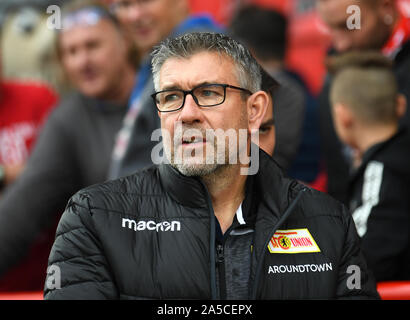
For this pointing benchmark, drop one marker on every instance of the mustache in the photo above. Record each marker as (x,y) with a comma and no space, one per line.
(192,133)
(140,24)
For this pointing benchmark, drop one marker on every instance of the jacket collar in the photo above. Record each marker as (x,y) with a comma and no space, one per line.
(188,191)
(270,187)
(392,152)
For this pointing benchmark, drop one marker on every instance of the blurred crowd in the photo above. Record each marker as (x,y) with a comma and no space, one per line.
(76,108)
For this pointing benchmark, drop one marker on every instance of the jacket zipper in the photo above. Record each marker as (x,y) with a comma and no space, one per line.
(220,260)
(212,245)
(261,255)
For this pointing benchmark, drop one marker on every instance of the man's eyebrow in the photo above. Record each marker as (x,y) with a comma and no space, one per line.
(175,87)
(270,122)
(339,25)
(170,87)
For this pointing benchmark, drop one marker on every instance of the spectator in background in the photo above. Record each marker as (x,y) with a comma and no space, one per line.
(148,22)
(267,132)
(382,27)
(366,109)
(24,106)
(75,146)
(264,31)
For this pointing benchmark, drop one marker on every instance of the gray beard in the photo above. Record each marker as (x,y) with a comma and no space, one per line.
(204,164)
(191,170)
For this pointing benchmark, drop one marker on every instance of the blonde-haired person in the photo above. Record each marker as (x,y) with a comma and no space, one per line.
(366,109)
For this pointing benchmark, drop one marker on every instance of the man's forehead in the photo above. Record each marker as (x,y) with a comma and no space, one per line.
(208,57)
(201,67)
(334,11)
(337,4)
(99,30)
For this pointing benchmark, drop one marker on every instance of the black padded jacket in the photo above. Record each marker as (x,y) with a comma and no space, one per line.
(151,235)
(380,206)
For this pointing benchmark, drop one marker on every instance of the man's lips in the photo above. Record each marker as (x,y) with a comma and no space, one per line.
(88,75)
(193,141)
(142,30)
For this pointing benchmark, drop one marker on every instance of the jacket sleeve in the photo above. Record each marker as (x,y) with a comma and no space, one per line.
(355,281)
(385,229)
(77,267)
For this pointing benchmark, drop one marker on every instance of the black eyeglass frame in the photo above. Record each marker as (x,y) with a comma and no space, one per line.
(186,92)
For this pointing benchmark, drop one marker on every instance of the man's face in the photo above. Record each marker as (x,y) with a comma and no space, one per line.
(267,130)
(373,31)
(93,56)
(149,21)
(202,139)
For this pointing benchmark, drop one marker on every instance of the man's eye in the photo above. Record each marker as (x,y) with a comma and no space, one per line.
(264,130)
(125,4)
(171,97)
(209,93)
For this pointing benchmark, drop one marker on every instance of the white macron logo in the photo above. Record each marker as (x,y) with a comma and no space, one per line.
(151,225)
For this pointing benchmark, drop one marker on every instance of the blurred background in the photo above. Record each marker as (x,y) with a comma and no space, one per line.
(29,53)
(28,46)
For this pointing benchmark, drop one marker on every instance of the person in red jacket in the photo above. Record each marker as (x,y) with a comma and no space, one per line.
(23,108)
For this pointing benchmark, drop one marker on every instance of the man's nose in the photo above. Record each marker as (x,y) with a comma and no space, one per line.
(81,59)
(190,112)
(135,12)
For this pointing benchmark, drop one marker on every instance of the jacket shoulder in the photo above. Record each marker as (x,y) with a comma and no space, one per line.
(78,234)
(316,203)
(122,194)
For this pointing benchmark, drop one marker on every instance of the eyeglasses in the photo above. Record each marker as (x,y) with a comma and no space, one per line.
(204,95)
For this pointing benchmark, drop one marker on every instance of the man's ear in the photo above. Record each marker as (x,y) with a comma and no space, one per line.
(343,115)
(387,10)
(256,106)
(401,105)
